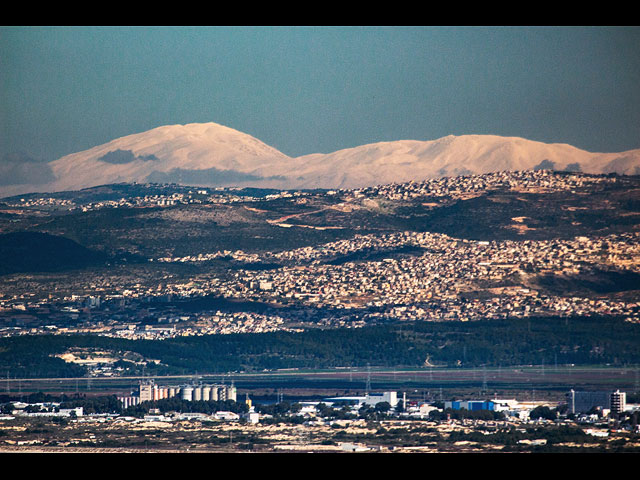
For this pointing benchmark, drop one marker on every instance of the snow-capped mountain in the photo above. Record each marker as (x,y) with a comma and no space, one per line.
(406,160)
(210,154)
(164,154)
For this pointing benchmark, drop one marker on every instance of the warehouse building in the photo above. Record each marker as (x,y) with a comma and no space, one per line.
(583,402)
(370,398)
(471,405)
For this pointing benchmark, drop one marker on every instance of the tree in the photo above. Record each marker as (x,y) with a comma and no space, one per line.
(543,412)
(366,412)
(383,407)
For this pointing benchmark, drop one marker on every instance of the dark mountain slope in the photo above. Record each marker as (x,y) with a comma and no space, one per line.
(24,252)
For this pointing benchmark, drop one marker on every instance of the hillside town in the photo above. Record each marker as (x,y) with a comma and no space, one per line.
(401,276)
(456,187)
(453,280)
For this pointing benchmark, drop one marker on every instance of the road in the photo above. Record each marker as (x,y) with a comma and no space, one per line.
(526,378)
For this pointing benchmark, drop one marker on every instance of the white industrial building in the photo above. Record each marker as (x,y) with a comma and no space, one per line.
(370,398)
(48,409)
(374,398)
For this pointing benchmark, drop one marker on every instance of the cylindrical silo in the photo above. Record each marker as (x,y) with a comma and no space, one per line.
(213,395)
(231,393)
(206,393)
(187,394)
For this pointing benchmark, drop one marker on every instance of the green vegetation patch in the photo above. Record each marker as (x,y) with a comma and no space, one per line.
(536,341)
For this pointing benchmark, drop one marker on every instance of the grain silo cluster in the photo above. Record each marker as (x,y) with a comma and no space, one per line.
(150,391)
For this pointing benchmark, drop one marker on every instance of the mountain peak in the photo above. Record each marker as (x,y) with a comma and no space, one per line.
(211,154)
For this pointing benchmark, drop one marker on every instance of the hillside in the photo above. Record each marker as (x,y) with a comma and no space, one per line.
(169,262)
(25,252)
(139,223)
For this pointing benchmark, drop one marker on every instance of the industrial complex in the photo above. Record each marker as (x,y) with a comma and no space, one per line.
(150,391)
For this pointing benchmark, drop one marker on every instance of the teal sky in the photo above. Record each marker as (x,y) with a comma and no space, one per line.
(319,89)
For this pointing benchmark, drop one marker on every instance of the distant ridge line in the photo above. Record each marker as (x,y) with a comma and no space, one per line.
(210,155)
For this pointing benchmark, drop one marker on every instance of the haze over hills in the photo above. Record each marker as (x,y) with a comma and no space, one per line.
(209,154)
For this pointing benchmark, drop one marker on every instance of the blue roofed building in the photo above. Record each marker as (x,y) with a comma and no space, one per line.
(471,405)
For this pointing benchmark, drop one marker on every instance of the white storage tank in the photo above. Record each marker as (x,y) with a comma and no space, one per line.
(206,393)
(231,393)
(187,394)
(214,393)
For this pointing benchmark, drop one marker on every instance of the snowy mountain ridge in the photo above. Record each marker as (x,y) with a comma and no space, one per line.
(209,154)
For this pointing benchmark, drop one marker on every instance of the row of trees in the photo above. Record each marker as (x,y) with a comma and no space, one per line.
(584,340)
